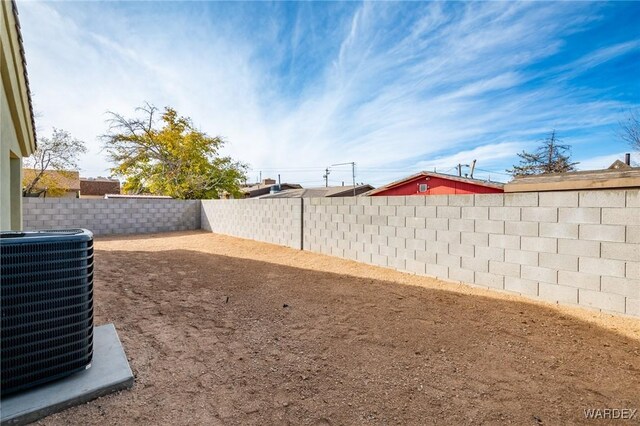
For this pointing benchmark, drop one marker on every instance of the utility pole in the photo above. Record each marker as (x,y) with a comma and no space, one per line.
(326,177)
(353,173)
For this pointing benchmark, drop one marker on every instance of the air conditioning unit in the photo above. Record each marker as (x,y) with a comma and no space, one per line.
(46,284)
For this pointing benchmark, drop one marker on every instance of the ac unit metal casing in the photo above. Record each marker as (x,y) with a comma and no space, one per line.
(46,305)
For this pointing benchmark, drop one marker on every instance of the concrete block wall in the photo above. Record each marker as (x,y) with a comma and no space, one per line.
(276,221)
(579,248)
(111,216)
(575,247)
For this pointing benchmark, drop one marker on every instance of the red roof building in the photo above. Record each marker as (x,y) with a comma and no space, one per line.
(432,183)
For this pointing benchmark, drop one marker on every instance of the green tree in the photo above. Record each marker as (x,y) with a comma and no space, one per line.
(58,154)
(172,159)
(550,157)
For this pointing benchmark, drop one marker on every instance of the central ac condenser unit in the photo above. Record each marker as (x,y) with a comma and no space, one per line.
(46,283)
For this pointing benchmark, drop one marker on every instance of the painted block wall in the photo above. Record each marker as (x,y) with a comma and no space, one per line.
(276,221)
(112,216)
(577,247)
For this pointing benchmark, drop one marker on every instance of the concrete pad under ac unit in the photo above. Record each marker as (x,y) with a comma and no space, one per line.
(109,372)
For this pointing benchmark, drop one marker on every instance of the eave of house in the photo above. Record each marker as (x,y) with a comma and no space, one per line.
(15,81)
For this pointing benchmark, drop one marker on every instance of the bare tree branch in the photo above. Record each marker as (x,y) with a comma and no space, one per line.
(629,130)
(58,153)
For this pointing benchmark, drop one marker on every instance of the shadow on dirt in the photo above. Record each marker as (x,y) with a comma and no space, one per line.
(218,339)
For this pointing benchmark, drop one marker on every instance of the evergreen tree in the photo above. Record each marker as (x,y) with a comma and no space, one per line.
(550,157)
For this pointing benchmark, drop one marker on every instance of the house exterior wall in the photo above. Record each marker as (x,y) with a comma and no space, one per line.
(436,186)
(15,187)
(17,138)
(10,153)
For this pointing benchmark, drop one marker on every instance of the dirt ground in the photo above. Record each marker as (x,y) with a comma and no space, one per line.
(221,330)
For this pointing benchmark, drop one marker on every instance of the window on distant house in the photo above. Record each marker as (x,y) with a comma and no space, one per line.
(423,187)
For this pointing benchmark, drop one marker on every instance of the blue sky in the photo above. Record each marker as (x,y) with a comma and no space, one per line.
(397,87)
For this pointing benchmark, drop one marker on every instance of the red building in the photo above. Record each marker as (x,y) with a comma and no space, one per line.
(431,183)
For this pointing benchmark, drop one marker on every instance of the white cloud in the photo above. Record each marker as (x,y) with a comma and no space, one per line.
(604,161)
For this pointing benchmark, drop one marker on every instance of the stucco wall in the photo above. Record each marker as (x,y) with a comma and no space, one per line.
(9,149)
(577,247)
(112,216)
(17,138)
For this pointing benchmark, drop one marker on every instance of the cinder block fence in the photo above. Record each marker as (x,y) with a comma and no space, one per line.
(577,247)
(111,216)
(277,221)
(573,247)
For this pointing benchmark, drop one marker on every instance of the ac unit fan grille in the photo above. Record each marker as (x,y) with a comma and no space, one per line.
(46,308)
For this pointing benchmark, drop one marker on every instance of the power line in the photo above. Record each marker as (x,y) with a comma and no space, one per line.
(289,170)
(286,169)
(363,170)
(494,171)
(353,173)
(322,169)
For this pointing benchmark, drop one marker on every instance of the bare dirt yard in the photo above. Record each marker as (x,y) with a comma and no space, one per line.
(221,330)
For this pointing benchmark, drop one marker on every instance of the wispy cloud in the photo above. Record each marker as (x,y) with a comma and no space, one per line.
(593,59)
(393,86)
(604,161)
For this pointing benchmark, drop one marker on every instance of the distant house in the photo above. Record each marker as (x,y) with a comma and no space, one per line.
(325,191)
(619,165)
(265,187)
(54,183)
(432,183)
(620,175)
(98,187)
